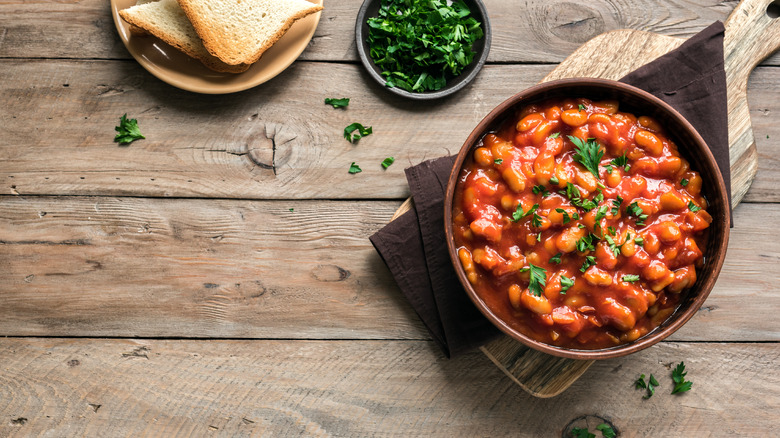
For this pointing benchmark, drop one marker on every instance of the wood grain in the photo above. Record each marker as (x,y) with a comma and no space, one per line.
(93,266)
(533,31)
(270,142)
(100,387)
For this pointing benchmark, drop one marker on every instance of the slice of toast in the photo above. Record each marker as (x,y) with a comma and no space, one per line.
(166,20)
(239,31)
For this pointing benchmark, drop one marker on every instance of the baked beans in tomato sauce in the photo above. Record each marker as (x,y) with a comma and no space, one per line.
(578,224)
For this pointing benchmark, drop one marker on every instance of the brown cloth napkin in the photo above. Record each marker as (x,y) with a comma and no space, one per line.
(691,79)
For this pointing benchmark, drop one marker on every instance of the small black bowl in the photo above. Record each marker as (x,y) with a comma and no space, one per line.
(481,47)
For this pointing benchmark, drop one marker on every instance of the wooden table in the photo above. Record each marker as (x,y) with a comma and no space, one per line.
(217,278)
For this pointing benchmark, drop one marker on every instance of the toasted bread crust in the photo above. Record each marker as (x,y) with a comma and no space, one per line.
(223,46)
(211,62)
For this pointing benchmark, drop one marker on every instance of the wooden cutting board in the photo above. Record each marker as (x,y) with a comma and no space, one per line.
(751,36)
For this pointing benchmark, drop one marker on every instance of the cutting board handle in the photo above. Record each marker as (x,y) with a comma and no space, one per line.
(751,36)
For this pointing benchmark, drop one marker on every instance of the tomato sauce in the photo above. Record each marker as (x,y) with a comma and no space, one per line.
(579,225)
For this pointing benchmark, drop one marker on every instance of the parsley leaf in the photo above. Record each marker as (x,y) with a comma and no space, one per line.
(554,180)
(588,153)
(693,207)
(589,261)
(498,160)
(337,103)
(580,432)
(639,241)
(540,189)
(585,243)
(621,161)
(419,45)
(678,376)
(617,202)
(683,182)
(556,135)
(566,283)
(630,278)
(387,162)
(640,382)
(538,280)
(581,107)
(556,258)
(572,192)
(606,430)
(519,214)
(602,212)
(127,130)
(362,132)
(354,168)
(536,221)
(651,384)
(566,218)
(634,209)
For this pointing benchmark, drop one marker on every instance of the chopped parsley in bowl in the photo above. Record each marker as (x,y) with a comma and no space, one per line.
(423,49)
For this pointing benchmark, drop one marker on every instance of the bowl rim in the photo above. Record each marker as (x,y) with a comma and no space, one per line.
(458,83)
(537,93)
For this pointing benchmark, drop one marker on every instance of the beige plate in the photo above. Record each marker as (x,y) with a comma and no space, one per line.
(174,67)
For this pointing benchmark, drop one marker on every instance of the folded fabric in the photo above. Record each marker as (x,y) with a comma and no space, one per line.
(691,79)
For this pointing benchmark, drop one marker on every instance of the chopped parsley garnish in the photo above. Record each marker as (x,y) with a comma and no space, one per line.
(572,192)
(127,131)
(621,161)
(337,103)
(585,243)
(540,189)
(566,283)
(634,209)
(581,432)
(640,382)
(631,278)
(611,230)
(614,247)
(554,180)
(598,198)
(678,376)
(556,258)
(387,162)
(602,213)
(556,135)
(498,160)
(420,44)
(586,205)
(683,182)
(536,221)
(606,430)
(566,218)
(362,131)
(538,280)
(588,153)
(639,241)
(519,214)
(354,168)
(589,261)
(650,385)
(693,207)
(581,107)
(617,202)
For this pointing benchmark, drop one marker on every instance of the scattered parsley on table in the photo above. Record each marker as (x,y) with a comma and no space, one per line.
(387,162)
(362,131)
(420,44)
(127,130)
(678,376)
(337,103)
(354,168)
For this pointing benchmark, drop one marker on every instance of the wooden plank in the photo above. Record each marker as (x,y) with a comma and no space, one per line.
(269,142)
(103,387)
(118,267)
(537,31)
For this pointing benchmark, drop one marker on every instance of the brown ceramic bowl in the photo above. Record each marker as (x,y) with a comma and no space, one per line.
(691,146)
